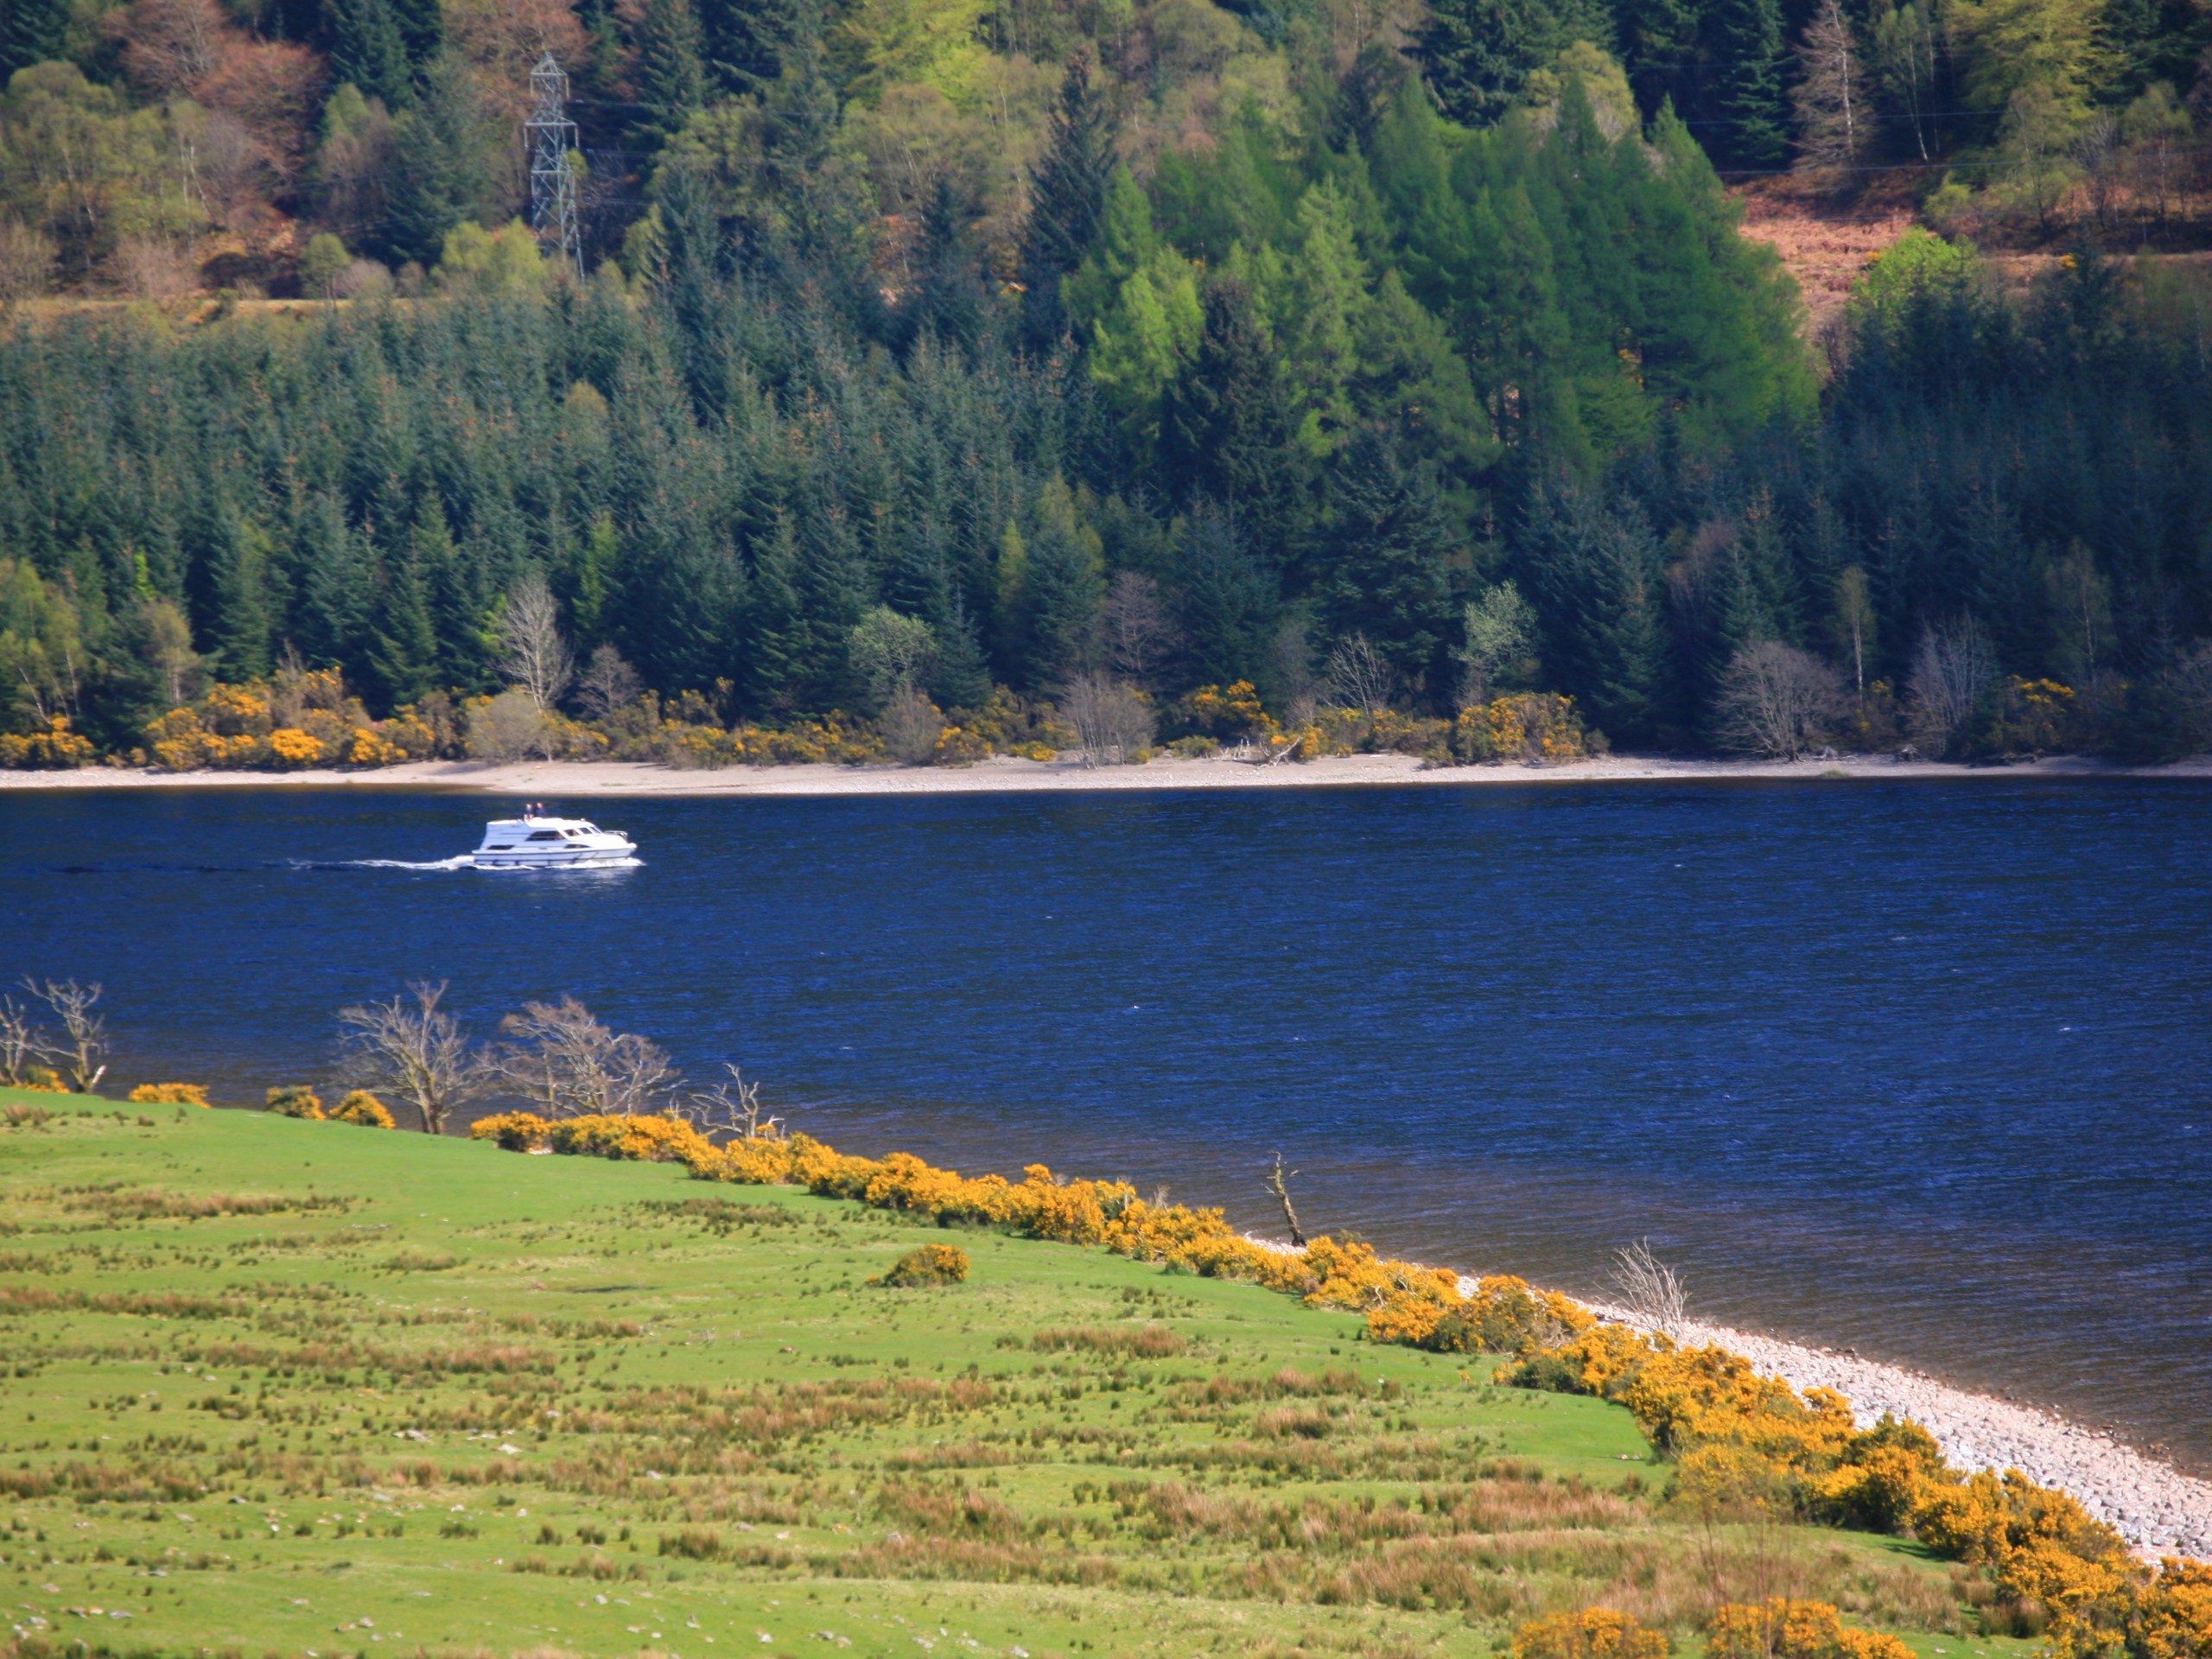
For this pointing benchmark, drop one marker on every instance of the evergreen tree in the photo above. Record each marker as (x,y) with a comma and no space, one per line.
(421,27)
(1227,601)
(743,41)
(1065,584)
(1389,579)
(1478,54)
(1067,198)
(778,641)
(239,620)
(404,660)
(32,31)
(1595,572)
(367,50)
(950,301)
(443,149)
(1747,49)
(668,70)
(457,605)
(1226,427)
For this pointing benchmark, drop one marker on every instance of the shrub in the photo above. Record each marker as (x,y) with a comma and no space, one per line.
(933,1264)
(169,1094)
(1595,1633)
(295,1100)
(1538,728)
(516,1131)
(362,1108)
(1782,1628)
(57,747)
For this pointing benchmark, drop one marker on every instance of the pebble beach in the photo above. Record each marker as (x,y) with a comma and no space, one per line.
(2157,1508)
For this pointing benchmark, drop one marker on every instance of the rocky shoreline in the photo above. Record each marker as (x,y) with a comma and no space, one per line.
(2157,1508)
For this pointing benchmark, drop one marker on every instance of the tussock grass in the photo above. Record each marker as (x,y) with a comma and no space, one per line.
(1143,1342)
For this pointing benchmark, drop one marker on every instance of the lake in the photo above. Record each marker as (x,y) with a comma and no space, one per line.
(1923,1067)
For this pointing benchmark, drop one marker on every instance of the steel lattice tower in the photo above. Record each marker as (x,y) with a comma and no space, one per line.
(551,137)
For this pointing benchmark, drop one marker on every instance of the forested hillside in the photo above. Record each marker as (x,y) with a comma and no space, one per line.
(1175,368)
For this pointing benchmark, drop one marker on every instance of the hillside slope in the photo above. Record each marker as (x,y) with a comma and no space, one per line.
(300,1387)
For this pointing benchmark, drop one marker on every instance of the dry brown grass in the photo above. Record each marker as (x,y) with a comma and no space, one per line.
(1142,1342)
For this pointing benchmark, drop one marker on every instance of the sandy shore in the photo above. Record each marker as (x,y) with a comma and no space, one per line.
(1004,773)
(2154,1506)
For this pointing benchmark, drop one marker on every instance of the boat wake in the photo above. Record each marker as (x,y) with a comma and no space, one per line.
(464,861)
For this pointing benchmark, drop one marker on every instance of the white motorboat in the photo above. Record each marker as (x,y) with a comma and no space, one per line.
(534,841)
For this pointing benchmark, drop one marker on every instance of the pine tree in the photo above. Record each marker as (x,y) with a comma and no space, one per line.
(950,302)
(1747,49)
(1389,579)
(457,605)
(237,584)
(1067,198)
(421,27)
(1478,54)
(444,146)
(1595,572)
(405,657)
(743,41)
(668,70)
(1229,601)
(32,31)
(1065,583)
(1226,426)
(778,643)
(368,51)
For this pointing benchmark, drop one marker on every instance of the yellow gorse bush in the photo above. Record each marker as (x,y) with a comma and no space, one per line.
(363,1109)
(1593,1633)
(1733,1434)
(1537,727)
(169,1094)
(1782,1628)
(56,746)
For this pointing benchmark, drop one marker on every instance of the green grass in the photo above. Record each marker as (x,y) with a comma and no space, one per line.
(274,1386)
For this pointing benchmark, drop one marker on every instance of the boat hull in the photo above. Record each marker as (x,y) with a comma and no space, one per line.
(558,858)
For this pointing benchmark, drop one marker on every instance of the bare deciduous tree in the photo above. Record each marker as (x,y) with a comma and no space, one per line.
(1830,97)
(1649,1290)
(1112,722)
(1774,699)
(1951,671)
(571,1064)
(608,683)
(911,727)
(1135,626)
(81,1053)
(412,1048)
(509,727)
(27,257)
(732,1109)
(1357,677)
(20,1042)
(532,654)
(1277,1181)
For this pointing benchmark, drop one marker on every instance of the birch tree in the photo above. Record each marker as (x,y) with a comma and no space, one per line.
(1830,97)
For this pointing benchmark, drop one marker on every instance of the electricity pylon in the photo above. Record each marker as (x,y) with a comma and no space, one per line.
(551,137)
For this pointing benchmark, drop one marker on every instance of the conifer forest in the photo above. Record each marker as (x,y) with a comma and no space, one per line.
(992,364)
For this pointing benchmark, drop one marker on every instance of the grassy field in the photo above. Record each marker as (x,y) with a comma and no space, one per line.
(280,1387)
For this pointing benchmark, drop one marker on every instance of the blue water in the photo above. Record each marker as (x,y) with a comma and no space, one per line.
(1922,1068)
